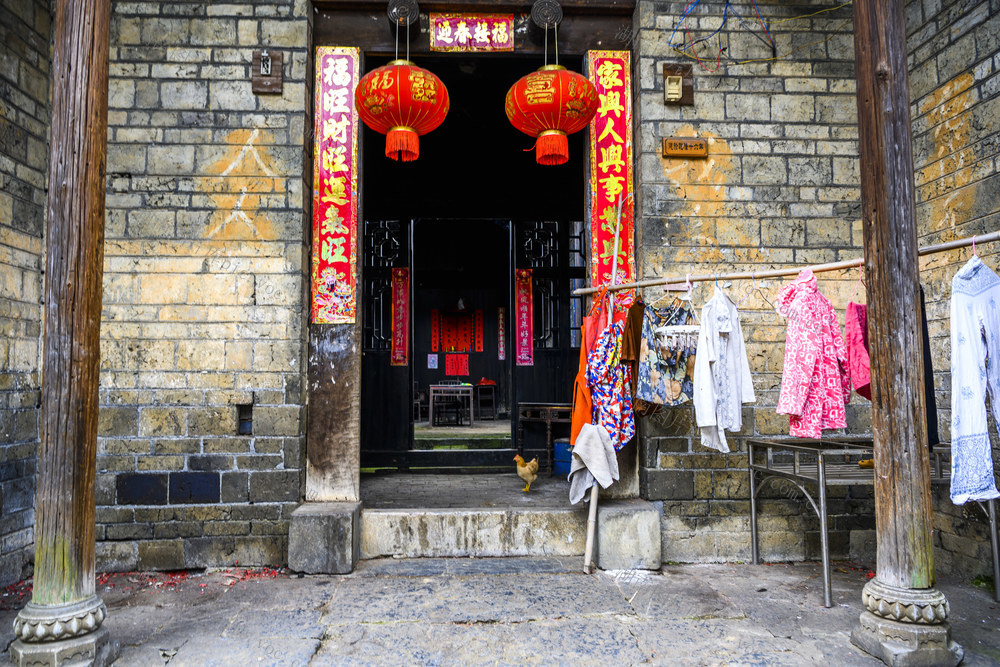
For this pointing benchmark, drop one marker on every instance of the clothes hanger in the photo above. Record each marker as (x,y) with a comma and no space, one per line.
(755,287)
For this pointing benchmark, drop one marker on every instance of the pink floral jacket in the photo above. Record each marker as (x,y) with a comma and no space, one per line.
(814,384)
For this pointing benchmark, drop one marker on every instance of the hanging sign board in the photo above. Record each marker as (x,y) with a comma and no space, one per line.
(335,187)
(611,183)
(400,353)
(472,32)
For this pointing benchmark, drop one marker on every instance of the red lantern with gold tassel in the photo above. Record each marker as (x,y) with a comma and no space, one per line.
(548,104)
(402,101)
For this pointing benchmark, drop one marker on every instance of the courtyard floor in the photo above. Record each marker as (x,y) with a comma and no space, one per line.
(512,611)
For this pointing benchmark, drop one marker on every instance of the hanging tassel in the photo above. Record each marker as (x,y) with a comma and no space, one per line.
(552,148)
(402,144)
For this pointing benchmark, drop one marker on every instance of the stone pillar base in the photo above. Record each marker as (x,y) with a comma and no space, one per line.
(325,538)
(906,644)
(95,648)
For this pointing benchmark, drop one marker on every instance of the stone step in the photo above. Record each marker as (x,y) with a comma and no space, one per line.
(480,533)
(628,534)
(498,442)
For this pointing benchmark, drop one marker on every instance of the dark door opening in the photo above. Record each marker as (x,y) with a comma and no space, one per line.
(474,206)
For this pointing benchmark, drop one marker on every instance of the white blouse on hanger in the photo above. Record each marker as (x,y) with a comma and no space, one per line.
(722,380)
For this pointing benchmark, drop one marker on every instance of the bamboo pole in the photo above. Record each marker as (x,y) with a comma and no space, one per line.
(791,271)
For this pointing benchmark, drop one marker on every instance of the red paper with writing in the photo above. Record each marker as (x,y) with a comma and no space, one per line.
(335,187)
(456,364)
(472,32)
(501,334)
(400,352)
(524,343)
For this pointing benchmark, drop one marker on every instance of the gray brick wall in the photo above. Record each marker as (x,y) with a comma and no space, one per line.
(25,60)
(204,282)
(954,50)
(780,188)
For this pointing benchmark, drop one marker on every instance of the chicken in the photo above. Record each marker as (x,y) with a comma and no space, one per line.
(527,471)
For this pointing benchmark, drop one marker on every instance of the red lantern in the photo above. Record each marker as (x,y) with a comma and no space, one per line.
(402,101)
(549,104)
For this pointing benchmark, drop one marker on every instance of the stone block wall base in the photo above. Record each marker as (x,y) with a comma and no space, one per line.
(906,644)
(628,535)
(324,538)
(95,648)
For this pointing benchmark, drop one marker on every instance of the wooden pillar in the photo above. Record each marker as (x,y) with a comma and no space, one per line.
(905,617)
(62,623)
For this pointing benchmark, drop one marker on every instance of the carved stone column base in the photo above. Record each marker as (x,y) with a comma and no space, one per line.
(94,648)
(906,644)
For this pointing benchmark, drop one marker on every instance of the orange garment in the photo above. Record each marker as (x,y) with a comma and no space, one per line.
(583,404)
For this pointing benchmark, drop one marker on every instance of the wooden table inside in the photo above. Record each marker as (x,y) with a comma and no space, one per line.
(462,392)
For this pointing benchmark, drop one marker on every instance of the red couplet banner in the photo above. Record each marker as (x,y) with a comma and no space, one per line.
(335,187)
(400,353)
(435,329)
(611,182)
(524,335)
(501,334)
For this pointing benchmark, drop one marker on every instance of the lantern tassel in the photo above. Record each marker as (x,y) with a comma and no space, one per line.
(402,144)
(552,148)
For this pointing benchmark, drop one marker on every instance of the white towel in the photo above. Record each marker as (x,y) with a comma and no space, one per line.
(594,460)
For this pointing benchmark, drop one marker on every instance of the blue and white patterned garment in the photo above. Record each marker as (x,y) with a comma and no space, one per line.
(975,338)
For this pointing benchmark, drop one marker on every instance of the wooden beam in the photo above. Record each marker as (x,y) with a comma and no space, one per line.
(371,30)
(620,7)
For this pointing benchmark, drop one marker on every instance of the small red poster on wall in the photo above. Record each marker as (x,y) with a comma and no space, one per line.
(501,334)
(435,330)
(456,364)
(524,336)
(400,354)
(479,331)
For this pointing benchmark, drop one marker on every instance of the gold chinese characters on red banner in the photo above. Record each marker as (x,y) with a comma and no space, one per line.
(335,187)
(611,169)
(472,32)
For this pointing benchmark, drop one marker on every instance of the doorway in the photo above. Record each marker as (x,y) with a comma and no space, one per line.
(462,218)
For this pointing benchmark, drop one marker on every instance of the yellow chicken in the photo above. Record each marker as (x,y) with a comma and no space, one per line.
(527,471)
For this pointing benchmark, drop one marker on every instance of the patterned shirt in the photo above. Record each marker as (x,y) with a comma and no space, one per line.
(609,381)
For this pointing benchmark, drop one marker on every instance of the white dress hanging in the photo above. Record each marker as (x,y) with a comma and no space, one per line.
(722,380)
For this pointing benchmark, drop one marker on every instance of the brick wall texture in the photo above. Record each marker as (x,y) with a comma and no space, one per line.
(780,188)
(954,50)
(24,113)
(200,457)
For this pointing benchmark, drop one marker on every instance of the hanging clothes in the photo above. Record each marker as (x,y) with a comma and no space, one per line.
(666,362)
(975,337)
(609,381)
(722,380)
(930,402)
(856,335)
(814,385)
(583,404)
(632,338)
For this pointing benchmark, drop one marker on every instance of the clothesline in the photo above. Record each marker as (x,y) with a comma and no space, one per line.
(775,273)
